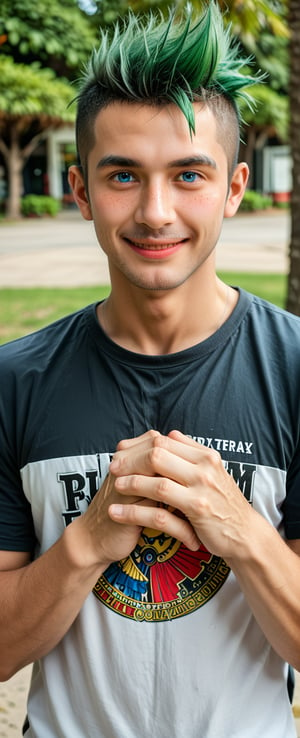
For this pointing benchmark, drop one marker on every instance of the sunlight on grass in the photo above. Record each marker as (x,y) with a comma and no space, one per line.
(26,310)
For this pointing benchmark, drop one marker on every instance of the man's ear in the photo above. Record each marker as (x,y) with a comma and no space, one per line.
(236,190)
(76,182)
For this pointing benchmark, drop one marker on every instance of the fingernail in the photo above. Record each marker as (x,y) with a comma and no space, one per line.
(116,510)
(120,482)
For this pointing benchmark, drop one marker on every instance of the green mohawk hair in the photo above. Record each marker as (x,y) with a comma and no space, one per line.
(178,60)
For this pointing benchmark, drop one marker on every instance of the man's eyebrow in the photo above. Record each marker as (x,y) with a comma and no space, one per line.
(112,160)
(188,161)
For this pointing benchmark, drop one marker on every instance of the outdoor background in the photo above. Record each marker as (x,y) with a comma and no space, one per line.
(50,263)
(43,49)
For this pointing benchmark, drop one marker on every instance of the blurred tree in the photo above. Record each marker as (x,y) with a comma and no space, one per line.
(268,119)
(42,44)
(58,34)
(266,39)
(293,300)
(32,101)
(247,17)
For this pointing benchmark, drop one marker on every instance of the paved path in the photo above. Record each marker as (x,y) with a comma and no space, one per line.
(65,252)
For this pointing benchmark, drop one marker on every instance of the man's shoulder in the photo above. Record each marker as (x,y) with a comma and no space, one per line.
(274,318)
(275,333)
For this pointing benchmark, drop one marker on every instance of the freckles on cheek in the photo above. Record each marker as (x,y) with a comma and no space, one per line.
(111,206)
(214,197)
(208,204)
(103,209)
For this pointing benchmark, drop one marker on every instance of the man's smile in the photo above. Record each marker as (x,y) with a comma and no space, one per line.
(155,248)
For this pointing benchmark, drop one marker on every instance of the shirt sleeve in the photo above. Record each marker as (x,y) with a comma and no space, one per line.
(16,523)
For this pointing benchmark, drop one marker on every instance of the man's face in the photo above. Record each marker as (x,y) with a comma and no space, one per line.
(156,195)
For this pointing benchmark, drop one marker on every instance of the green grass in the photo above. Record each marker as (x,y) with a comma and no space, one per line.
(28,309)
(272,287)
(25,310)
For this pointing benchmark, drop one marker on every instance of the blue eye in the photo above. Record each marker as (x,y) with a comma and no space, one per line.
(123,177)
(189,176)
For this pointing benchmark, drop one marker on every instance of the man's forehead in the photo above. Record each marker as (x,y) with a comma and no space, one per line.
(119,109)
(130,124)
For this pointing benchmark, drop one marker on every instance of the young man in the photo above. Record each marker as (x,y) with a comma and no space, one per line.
(150,467)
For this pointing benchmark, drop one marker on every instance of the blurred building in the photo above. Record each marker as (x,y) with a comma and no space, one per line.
(46,171)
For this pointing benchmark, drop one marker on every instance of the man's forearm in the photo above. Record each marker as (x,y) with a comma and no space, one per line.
(269,575)
(39,602)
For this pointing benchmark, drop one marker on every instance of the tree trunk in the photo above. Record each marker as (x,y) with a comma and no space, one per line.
(293,298)
(15,163)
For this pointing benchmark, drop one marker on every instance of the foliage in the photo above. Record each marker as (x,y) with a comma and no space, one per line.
(247,19)
(271,53)
(58,34)
(282,204)
(253,201)
(30,90)
(107,11)
(271,111)
(32,100)
(42,44)
(38,205)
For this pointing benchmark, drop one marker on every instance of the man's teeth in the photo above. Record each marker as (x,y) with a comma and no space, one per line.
(154,247)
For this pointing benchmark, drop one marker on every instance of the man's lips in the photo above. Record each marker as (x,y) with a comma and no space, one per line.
(155,248)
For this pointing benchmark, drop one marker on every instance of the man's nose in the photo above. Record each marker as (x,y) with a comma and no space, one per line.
(155,207)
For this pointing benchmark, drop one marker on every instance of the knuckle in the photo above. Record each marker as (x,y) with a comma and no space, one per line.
(155,456)
(153,434)
(117,455)
(125,443)
(162,488)
(122,444)
(210,456)
(135,483)
(123,461)
(161,441)
(215,457)
(130,513)
(160,517)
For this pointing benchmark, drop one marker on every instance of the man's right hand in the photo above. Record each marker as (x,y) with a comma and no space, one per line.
(101,539)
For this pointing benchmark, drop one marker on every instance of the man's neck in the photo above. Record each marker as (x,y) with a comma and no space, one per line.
(157,323)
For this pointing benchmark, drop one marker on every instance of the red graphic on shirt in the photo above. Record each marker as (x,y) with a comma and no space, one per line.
(161,579)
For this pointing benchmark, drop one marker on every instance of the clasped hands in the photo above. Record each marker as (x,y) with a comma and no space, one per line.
(158,475)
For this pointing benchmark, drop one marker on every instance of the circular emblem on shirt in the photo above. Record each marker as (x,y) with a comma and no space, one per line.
(161,579)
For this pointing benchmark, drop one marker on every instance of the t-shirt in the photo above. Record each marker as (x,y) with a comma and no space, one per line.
(165,644)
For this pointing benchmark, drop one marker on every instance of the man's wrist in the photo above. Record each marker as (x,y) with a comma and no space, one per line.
(80,555)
